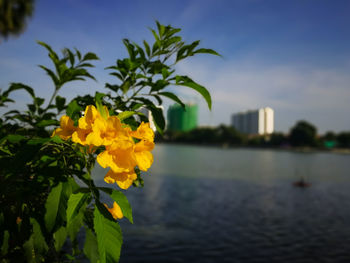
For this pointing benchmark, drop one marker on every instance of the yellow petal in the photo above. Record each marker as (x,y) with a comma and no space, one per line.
(79,136)
(124,180)
(104,159)
(143,132)
(144,160)
(66,128)
(90,114)
(144,146)
(115,211)
(122,162)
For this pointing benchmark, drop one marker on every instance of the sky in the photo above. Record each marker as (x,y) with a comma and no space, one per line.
(292,56)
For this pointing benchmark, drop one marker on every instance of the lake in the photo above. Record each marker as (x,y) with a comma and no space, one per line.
(203,204)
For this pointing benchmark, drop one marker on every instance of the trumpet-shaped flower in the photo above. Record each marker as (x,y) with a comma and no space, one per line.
(122,153)
(104,132)
(143,132)
(119,156)
(85,125)
(124,180)
(115,211)
(144,157)
(66,128)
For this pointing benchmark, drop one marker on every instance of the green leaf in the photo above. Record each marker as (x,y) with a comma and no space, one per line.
(157,113)
(90,56)
(125,86)
(5,245)
(78,53)
(60,237)
(60,103)
(53,56)
(74,225)
(17,86)
(98,100)
(56,205)
(37,141)
(52,75)
(38,101)
(75,203)
(12,138)
(186,81)
(130,49)
(161,29)
(36,246)
(45,123)
(158,118)
(207,51)
(70,56)
(91,246)
(148,50)
(109,235)
(173,97)
(126,114)
(73,110)
(155,37)
(57,139)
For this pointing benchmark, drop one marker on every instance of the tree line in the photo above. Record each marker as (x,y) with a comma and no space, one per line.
(302,134)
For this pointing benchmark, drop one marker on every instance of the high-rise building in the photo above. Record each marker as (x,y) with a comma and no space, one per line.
(259,121)
(180,119)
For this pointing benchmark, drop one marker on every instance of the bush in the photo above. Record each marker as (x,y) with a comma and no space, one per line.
(42,205)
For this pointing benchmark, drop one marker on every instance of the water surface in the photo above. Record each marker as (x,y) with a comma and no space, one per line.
(202,204)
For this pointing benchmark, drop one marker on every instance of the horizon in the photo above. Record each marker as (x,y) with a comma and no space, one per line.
(291,56)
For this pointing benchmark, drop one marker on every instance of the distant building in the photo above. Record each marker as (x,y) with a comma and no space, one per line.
(259,121)
(180,119)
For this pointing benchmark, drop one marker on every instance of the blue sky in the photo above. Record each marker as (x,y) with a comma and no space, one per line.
(293,56)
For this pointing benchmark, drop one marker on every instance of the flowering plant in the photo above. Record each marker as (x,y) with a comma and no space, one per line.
(47,191)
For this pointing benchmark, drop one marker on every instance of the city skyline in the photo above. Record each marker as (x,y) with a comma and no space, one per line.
(292,56)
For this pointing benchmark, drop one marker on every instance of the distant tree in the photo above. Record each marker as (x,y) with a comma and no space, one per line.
(228,134)
(303,134)
(277,139)
(203,135)
(343,139)
(329,136)
(14,15)
(258,140)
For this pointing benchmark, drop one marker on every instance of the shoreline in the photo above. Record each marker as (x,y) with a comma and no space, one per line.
(342,151)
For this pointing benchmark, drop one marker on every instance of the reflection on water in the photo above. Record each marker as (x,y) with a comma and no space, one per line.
(237,205)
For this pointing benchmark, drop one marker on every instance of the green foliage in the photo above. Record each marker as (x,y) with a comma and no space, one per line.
(109,236)
(208,135)
(14,15)
(149,71)
(343,139)
(303,134)
(42,205)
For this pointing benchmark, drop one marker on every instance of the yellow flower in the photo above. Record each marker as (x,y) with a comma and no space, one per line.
(144,157)
(18,220)
(104,132)
(90,115)
(143,132)
(115,211)
(124,180)
(85,125)
(66,128)
(119,156)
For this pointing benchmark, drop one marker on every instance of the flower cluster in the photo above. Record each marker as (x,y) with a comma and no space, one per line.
(124,148)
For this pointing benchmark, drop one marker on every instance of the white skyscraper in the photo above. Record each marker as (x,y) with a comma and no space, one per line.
(259,121)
